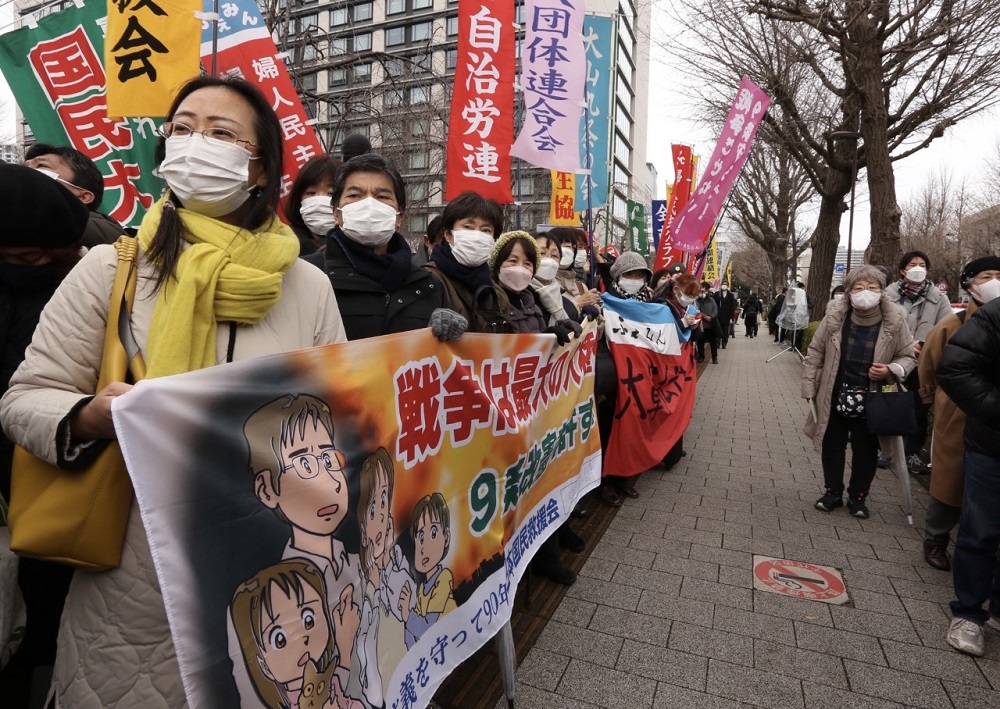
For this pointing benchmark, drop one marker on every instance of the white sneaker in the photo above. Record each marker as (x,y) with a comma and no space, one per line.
(966,636)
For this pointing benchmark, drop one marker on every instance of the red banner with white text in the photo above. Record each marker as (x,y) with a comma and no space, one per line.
(666,254)
(481,127)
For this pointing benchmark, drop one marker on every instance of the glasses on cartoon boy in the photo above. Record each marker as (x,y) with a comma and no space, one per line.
(308,466)
(182,130)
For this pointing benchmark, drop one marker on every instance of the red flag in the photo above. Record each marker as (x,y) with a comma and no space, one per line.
(666,254)
(481,127)
(656,384)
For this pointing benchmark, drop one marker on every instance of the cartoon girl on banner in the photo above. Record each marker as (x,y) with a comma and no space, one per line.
(282,621)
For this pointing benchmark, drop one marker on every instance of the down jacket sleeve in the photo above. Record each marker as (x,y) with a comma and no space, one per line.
(814,360)
(969,371)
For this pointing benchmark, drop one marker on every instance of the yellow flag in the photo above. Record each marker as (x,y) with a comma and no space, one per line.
(712,263)
(563,196)
(151,47)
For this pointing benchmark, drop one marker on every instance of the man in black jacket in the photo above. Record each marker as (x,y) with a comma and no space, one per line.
(727,306)
(969,373)
(379,290)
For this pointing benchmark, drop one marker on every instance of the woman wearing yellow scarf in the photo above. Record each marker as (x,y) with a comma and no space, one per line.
(219,280)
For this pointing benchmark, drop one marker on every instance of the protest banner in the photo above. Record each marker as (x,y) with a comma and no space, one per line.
(635,228)
(152,51)
(481,125)
(246,49)
(654,361)
(55,72)
(690,230)
(553,75)
(357,516)
(599,49)
(677,198)
(659,211)
(561,205)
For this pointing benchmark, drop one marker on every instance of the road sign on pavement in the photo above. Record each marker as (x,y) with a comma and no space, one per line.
(799,579)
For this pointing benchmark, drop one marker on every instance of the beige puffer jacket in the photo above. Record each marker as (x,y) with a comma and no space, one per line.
(114,643)
(894,346)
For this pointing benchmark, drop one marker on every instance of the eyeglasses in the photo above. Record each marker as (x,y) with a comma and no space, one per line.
(307,466)
(862,289)
(181,130)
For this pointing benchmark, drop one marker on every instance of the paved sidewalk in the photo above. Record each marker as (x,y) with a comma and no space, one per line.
(664,614)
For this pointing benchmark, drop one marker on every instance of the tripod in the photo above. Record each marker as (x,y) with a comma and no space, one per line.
(791,345)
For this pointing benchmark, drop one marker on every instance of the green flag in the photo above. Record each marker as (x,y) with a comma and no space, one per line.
(636,228)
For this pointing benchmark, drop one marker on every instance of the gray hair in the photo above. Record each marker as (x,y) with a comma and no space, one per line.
(864,273)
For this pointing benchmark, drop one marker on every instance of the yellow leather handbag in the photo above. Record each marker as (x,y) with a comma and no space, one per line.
(78,517)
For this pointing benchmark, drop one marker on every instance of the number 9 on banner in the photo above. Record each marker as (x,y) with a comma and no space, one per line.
(484,499)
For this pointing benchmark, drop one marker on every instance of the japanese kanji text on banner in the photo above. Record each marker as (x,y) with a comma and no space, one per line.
(677,199)
(689,231)
(561,211)
(374,504)
(553,74)
(599,49)
(245,49)
(57,77)
(481,125)
(656,383)
(152,49)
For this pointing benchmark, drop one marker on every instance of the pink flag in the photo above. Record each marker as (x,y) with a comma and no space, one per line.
(692,226)
(553,74)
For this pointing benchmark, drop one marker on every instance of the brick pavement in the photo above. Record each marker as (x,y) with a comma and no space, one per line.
(664,614)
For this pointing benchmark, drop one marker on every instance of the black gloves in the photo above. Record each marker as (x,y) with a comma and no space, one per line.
(564,330)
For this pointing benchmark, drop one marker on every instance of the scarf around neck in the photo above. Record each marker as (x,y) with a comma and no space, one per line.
(226,273)
(390,270)
(913,291)
(472,278)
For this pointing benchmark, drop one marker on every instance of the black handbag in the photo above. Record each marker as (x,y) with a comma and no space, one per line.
(891,413)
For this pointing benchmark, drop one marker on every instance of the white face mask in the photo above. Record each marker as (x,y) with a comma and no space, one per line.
(630,286)
(547,269)
(917,274)
(580,260)
(317,213)
(208,176)
(515,278)
(567,257)
(471,247)
(985,292)
(725,288)
(685,300)
(368,221)
(865,300)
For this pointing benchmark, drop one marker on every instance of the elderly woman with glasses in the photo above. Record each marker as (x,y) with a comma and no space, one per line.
(862,340)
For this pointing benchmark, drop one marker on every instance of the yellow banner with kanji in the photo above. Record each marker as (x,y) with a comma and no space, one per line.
(712,263)
(151,47)
(563,197)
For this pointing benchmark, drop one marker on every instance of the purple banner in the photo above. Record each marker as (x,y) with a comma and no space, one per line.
(553,74)
(693,224)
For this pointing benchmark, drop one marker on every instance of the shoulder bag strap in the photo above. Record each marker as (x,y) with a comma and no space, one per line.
(121,352)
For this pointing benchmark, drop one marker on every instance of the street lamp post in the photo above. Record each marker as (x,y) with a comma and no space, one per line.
(856,137)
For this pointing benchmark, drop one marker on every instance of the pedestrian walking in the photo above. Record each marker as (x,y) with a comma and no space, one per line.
(727,305)
(710,330)
(752,310)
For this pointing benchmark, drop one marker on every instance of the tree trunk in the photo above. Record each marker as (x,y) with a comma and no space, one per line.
(825,240)
(884,249)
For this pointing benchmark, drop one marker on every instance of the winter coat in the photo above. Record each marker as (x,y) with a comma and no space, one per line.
(114,645)
(367,310)
(923,313)
(969,373)
(726,302)
(101,229)
(948,451)
(523,313)
(822,363)
(484,311)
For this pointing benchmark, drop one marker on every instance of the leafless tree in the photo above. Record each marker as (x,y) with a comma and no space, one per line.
(753,268)
(905,70)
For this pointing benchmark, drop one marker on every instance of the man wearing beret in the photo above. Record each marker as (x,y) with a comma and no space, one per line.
(39,244)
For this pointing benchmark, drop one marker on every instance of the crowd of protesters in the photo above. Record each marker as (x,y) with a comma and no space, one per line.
(342,270)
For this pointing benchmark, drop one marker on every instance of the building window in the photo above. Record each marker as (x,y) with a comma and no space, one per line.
(393,98)
(338,17)
(338,46)
(307,82)
(394,7)
(417,191)
(418,223)
(527,186)
(420,128)
(338,77)
(420,94)
(395,36)
(450,58)
(422,4)
(452,26)
(309,52)
(363,42)
(363,72)
(419,160)
(421,31)
(362,12)
(394,67)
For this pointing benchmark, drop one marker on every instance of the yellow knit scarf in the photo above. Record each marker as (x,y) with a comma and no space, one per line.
(225,274)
